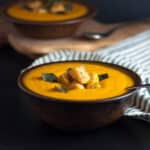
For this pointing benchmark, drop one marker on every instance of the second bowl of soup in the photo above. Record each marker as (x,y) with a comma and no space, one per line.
(47,19)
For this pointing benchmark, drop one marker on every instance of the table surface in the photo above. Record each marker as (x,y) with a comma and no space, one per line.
(17,131)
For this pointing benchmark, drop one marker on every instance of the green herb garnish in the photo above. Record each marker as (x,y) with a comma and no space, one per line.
(68,6)
(24,6)
(49,3)
(60,89)
(50,77)
(103,76)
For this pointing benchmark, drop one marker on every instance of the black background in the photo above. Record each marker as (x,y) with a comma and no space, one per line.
(118,10)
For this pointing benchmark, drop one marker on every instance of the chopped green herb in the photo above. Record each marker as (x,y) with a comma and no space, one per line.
(68,6)
(50,77)
(25,6)
(61,89)
(49,3)
(103,76)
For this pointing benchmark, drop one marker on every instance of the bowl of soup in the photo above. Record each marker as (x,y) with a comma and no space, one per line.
(76,95)
(42,19)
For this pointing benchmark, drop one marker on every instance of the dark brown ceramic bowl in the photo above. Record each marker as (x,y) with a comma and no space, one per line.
(48,29)
(73,115)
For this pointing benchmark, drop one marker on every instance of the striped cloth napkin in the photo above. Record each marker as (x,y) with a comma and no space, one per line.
(133,53)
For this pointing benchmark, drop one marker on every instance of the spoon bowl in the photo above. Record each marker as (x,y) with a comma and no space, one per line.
(101,35)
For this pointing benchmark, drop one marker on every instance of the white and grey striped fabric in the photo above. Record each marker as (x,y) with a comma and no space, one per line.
(133,53)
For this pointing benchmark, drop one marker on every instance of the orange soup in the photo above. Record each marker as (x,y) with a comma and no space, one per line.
(78,10)
(113,86)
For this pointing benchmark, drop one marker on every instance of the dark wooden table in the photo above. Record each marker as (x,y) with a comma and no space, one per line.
(19,132)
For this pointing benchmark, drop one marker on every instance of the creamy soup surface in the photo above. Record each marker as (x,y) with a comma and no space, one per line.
(114,86)
(18,12)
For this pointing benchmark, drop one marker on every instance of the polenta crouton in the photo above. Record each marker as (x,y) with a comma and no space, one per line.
(94,82)
(34,5)
(75,85)
(57,7)
(79,74)
(64,79)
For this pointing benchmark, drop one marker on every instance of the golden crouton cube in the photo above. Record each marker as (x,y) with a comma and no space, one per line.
(64,79)
(34,5)
(79,74)
(57,7)
(76,86)
(42,11)
(94,82)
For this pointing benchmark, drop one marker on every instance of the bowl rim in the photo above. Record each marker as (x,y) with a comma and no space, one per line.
(43,98)
(91,13)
